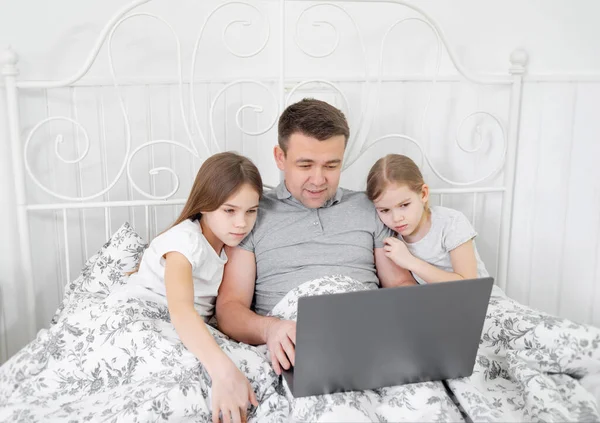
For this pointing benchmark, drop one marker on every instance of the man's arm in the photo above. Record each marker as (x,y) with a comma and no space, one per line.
(235,318)
(389,273)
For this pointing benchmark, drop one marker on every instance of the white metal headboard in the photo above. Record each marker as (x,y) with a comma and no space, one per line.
(194,128)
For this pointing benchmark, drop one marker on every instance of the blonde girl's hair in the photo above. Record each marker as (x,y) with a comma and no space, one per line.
(393,169)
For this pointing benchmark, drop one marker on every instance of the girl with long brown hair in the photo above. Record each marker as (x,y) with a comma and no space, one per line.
(185,264)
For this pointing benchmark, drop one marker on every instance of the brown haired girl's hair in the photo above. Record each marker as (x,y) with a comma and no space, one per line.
(219,177)
(393,169)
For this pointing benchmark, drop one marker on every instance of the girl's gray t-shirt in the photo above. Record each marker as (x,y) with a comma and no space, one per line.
(449,229)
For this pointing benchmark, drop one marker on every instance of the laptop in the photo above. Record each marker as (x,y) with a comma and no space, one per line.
(386,337)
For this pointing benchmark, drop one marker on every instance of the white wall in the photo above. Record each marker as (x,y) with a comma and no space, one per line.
(555,251)
(558,187)
(53,38)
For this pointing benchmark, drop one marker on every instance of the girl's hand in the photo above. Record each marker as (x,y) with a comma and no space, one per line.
(397,251)
(231,394)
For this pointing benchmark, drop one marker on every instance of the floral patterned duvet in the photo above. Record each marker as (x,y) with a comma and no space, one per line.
(110,357)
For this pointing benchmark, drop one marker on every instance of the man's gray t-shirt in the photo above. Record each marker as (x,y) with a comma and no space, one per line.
(449,229)
(293,244)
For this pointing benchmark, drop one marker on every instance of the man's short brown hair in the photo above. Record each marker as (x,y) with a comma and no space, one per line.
(313,118)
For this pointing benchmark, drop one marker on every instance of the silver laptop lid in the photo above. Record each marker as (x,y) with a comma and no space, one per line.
(386,337)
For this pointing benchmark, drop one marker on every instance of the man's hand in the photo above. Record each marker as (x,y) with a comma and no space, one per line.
(281,342)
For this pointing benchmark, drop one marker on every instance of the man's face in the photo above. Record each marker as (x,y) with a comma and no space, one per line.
(312,168)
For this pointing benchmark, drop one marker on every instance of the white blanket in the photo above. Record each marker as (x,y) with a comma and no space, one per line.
(118,359)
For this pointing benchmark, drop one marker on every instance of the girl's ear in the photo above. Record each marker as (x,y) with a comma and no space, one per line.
(425,193)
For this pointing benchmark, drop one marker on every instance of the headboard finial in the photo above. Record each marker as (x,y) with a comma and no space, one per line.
(9,59)
(518,59)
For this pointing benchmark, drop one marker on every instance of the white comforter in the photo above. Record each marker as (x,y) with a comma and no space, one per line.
(116,359)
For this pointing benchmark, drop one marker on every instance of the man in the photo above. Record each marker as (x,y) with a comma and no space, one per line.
(306,228)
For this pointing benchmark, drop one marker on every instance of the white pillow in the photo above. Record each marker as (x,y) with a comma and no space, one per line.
(107,268)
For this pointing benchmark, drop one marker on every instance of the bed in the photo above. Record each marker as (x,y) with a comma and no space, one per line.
(103,161)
